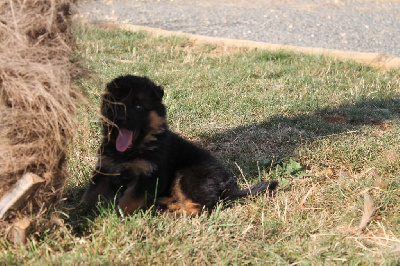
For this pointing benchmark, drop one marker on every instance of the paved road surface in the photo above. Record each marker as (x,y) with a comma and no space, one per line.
(363,26)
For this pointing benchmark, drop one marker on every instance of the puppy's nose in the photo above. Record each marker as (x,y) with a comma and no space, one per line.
(120,118)
(120,114)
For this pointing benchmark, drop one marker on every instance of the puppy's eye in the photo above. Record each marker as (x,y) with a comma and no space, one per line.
(138,107)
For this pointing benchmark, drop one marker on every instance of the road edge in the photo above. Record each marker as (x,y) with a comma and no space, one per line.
(383,62)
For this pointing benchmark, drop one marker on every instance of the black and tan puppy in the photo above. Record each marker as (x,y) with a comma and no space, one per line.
(145,163)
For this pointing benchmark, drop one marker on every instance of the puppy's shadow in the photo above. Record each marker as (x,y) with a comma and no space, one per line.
(79,214)
(280,136)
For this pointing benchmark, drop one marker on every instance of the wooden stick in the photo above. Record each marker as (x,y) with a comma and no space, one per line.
(369,210)
(24,187)
(20,232)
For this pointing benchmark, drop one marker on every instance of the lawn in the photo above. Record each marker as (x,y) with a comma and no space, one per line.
(328,130)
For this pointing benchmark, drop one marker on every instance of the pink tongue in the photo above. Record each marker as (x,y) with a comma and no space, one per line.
(124,139)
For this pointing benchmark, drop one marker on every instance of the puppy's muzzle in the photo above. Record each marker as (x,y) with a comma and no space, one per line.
(120,118)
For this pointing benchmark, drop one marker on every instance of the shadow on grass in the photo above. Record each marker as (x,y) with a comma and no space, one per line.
(79,215)
(278,137)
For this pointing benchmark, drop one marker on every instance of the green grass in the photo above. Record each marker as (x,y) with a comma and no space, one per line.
(327,129)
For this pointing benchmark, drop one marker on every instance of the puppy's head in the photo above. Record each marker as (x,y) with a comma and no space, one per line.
(133,112)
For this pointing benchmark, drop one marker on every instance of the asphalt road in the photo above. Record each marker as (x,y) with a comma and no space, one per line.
(362,26)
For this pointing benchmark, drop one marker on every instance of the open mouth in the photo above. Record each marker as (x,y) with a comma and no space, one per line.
(125,139)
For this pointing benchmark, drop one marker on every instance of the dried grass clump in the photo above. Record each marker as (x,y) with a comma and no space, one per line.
(37,103)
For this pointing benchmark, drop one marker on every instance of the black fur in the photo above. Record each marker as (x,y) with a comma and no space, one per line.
(158,165)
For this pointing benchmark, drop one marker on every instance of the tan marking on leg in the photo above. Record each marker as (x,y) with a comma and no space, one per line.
(176,189)
(170,203)
(191,208)
(129,204)
(186,205)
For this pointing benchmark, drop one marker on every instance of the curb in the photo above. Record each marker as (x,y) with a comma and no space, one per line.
(383,62)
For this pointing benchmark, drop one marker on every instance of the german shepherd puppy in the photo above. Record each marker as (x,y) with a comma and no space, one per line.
(145,163)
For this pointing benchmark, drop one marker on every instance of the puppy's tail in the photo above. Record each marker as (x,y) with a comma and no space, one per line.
(252,191)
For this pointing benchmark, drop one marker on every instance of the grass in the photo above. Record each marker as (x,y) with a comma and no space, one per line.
(327,129)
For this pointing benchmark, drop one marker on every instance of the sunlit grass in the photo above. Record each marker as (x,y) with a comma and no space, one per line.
(327,129)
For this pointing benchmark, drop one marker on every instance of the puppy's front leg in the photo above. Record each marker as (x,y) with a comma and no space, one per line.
(131,200)
(99,186)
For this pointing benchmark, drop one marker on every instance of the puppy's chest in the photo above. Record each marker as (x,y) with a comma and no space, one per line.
(135,166)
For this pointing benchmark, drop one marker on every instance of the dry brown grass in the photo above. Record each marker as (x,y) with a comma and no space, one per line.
(37,102)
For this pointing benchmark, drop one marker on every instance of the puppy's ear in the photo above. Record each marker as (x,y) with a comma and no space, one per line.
(111,86)
(105,103)
(158,92)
